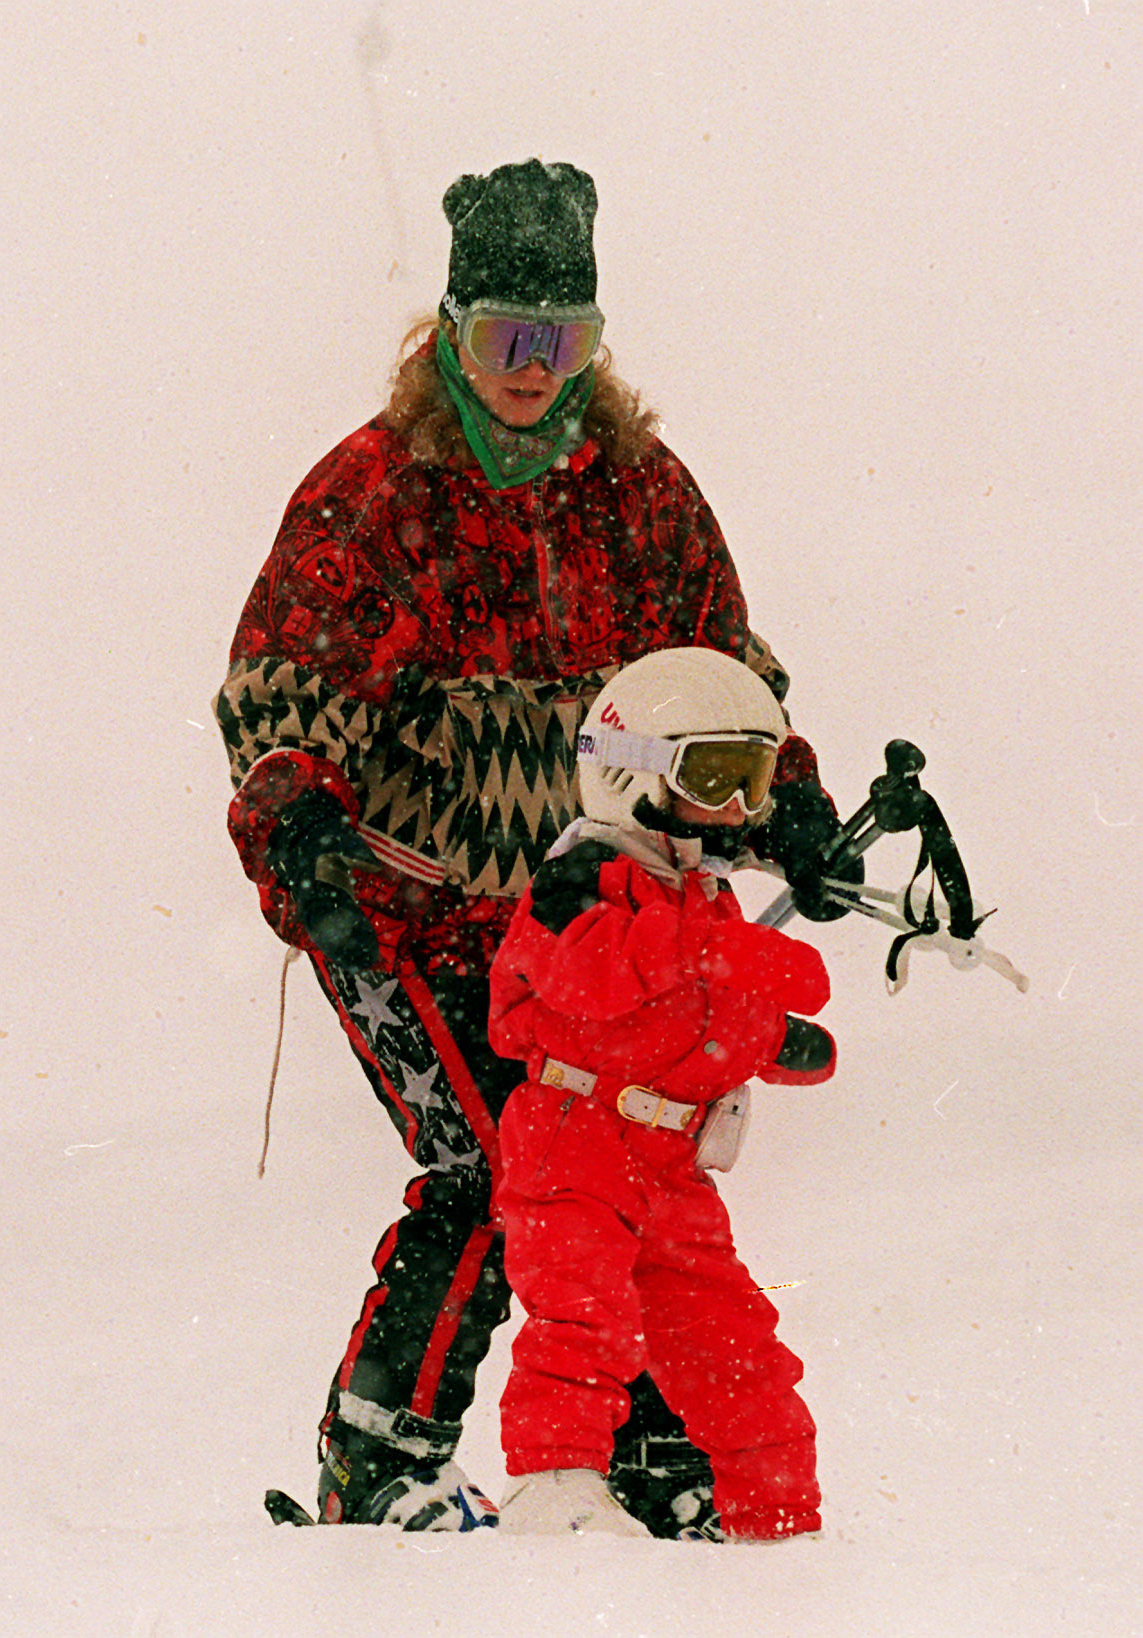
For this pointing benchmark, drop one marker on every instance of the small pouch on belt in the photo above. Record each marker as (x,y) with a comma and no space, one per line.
(723,1131)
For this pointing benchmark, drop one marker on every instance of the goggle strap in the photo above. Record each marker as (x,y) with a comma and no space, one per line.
(620,748)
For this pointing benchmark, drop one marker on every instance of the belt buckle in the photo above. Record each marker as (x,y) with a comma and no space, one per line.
(649,1091)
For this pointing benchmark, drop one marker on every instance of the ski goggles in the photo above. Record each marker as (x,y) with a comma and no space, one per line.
(705,769)
(504,336)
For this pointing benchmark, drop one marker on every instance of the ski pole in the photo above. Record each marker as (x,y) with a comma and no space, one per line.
(964,954)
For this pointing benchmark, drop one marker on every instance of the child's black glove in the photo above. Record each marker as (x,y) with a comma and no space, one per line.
(803,824)
(314,825)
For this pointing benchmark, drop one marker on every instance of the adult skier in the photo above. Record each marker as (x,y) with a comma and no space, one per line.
(450,589)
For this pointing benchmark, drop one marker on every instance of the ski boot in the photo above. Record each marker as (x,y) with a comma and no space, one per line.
(363,1480)
(673,1496)
(567,1501)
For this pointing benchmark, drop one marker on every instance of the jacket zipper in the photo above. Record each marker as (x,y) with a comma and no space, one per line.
(545,570)
(556,1130)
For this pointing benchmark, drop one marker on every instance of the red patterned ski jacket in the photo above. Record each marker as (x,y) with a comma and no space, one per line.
(426,647)
(637,978)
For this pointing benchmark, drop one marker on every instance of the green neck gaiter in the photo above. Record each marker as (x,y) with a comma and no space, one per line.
(511,455)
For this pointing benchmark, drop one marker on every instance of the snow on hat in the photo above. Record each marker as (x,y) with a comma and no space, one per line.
(523,234)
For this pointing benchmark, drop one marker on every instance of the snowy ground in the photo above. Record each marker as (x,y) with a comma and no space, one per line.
(879,268)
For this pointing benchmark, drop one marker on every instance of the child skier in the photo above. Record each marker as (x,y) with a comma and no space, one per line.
(641,1000)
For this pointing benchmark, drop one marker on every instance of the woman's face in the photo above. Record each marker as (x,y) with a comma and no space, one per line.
(520,398)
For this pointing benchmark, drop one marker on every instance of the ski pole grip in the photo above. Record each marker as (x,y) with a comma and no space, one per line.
(902,758)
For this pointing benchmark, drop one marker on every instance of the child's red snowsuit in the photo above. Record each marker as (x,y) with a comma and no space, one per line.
(618,1247)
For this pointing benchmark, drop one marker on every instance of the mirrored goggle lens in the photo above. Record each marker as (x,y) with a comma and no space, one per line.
(505,344)
(711,771)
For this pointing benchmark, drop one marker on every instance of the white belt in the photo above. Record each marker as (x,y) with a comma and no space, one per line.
(638,1103)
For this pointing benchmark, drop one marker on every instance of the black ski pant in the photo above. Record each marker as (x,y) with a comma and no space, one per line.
(440,1291)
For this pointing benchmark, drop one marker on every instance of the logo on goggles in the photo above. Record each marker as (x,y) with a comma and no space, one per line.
(504,336)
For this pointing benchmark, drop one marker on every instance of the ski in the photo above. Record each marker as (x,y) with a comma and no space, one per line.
(284,1509)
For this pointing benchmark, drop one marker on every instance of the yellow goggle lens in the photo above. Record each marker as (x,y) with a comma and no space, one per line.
(711,771)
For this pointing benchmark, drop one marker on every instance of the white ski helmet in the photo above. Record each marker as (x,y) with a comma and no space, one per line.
(636,740)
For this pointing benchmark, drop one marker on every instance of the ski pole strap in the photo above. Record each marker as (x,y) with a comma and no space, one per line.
(939,850)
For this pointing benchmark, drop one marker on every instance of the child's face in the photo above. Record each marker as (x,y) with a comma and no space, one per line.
(731,813)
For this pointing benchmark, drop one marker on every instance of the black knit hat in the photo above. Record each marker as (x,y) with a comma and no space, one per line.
(523,234)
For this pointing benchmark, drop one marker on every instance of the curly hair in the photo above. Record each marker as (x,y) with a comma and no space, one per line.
(423,415)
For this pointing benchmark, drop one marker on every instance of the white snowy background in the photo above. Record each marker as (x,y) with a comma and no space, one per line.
(878,264)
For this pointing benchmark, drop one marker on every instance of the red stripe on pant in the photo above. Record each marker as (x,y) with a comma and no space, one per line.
(377,1296)
(468,1094)
(448,1320)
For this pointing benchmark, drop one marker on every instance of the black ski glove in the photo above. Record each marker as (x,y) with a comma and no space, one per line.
(314,825)
(796,835)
